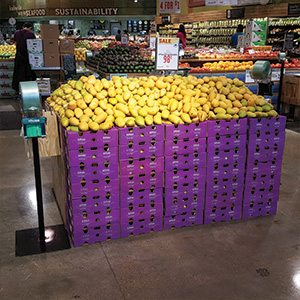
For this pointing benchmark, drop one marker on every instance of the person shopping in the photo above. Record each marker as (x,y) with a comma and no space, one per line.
(22,68)
(235,37)
(181,34)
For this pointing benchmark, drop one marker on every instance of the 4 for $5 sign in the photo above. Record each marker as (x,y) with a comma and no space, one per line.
(169,6)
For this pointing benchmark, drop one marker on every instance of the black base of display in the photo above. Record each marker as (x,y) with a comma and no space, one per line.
(27,241)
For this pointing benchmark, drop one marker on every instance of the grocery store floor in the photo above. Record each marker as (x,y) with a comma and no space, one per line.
(258,259)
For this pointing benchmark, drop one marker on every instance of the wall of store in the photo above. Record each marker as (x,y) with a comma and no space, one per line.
(185,10)
(10,8)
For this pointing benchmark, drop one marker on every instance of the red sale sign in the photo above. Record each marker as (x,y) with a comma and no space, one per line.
(169,7)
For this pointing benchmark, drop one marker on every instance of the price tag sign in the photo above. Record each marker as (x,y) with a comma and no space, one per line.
(124,39)
(248,78)
(152,41)
(275,75)
(118,75)
(167,54)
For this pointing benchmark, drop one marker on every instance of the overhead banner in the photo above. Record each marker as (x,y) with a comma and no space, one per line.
(169,7)
(60,12)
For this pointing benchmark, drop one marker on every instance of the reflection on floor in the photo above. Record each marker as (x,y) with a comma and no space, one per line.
(259,259)
(10,116)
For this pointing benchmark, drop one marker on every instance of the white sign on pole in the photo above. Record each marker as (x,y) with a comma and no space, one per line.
(275,75)
(152,43)
(124,39)
(169,6)
(167,53)
(248,78)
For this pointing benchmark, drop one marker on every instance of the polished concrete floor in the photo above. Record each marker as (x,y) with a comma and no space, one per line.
(258,259)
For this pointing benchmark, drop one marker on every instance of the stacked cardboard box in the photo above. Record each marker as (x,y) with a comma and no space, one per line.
(265,153)
(141,179)
(185,172)
(225,170)
(93,209)
(256,33)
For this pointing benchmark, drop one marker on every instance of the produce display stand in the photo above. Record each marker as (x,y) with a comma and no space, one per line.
(6,76)
(201,61)
(118,184)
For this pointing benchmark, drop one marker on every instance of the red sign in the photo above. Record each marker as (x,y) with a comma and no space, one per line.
(196,3)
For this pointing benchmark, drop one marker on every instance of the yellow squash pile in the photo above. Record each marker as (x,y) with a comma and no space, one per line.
(93,104)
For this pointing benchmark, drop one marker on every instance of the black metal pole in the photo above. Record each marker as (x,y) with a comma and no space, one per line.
(280,86)
(39,193)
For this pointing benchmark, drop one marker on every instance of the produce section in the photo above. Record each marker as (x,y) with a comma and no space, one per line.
(7,52)
(93,104)
(120,59)
(174,133)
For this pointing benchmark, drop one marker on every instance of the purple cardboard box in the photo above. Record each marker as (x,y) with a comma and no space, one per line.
(137,150)
(76,140)
(259,211)
(223,201)
(224,127)
(175,206)
(226,142)
(141,134)
(143,181)
(136,197)
(142,166)
(183,131)
(77,174)
(185,219)
(180,147)
(91,156)
(230,164)
(262,185)
(91,235)
(103,200)
(130,227)
(95,217)
(186,175)
(182,184)
(92,188)
(185,161)
(267,124)
(228,156)
(137,212)
(223,214)
(255,165)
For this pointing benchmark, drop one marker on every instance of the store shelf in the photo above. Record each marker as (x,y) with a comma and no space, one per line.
(47,69)
(226,59)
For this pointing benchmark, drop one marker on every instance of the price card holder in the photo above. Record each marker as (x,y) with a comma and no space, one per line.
(275,75)
(152,42)
(167,54)
(124,39)
(118,75)
(248,78)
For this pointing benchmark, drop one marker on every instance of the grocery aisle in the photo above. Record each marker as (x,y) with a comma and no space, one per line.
(258,259)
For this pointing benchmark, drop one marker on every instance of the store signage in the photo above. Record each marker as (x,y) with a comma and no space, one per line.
(196,3)
(86,11)
(124,39)
(169,6)
(60,12)
(220,2)
(152,43)
(237,13)
(124,75)
(167,53)
(288,41)
(294,9)
(248,78)
(275,75)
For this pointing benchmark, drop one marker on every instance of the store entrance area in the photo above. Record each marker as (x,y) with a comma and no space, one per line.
(257,259)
